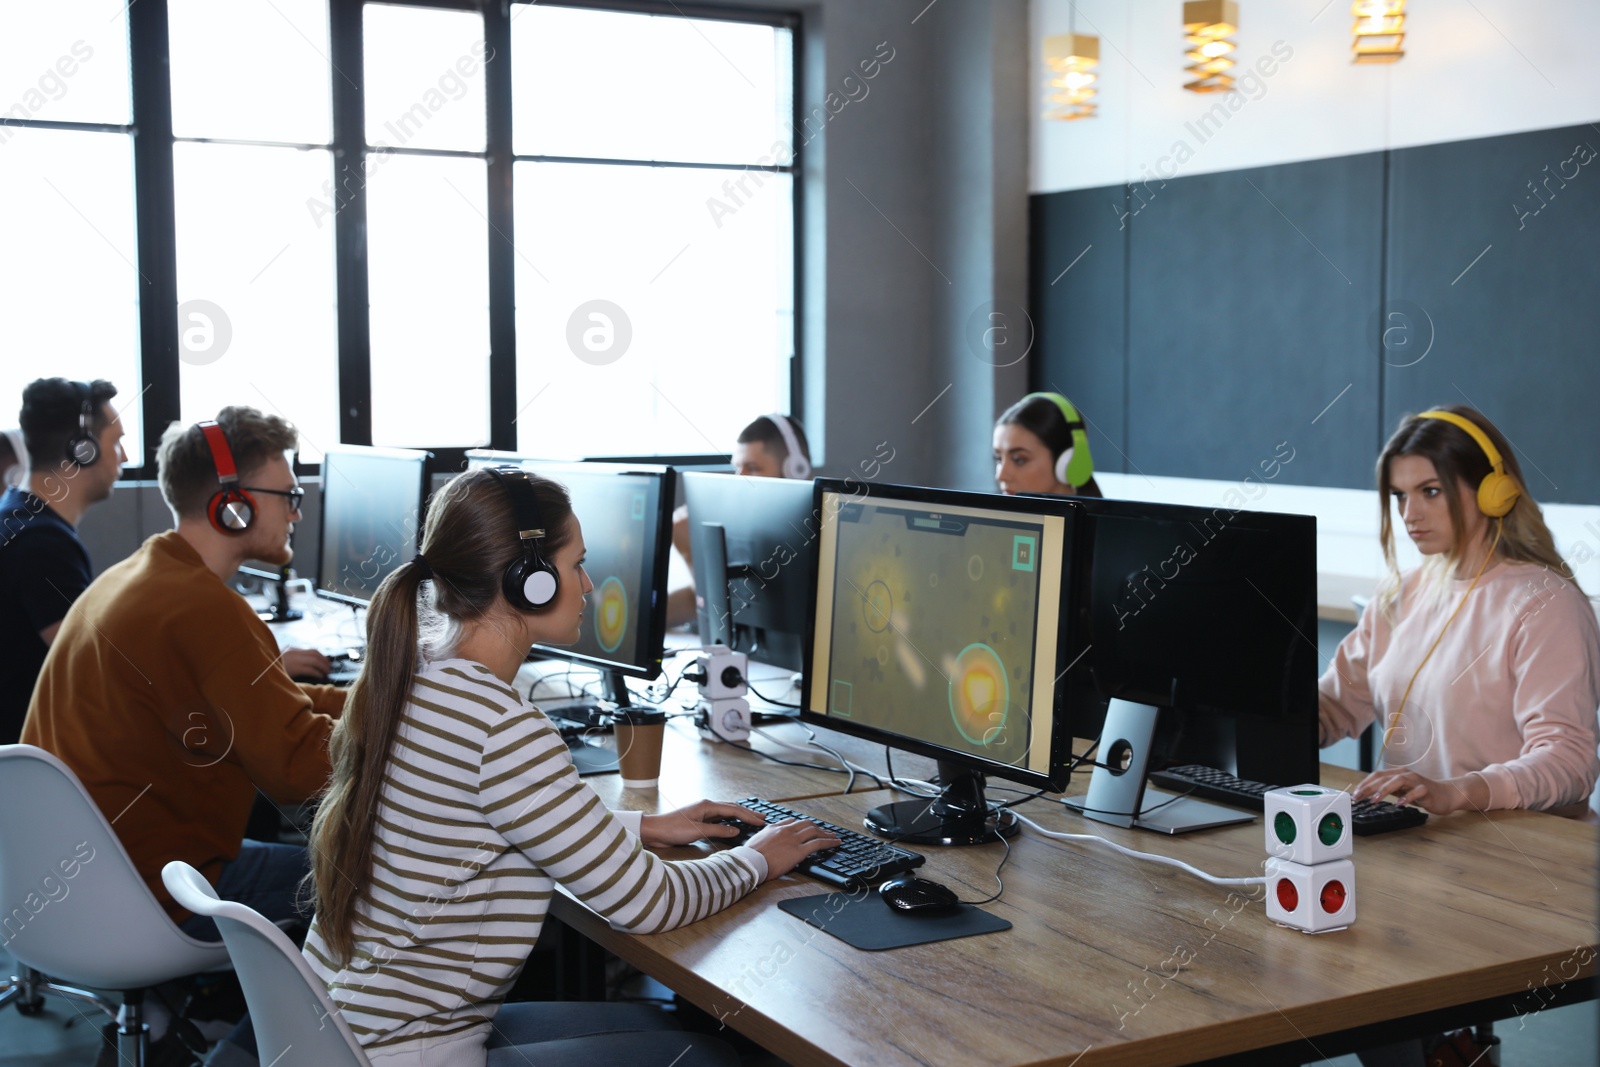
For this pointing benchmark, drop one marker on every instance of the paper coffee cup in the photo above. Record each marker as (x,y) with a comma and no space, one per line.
(639,735)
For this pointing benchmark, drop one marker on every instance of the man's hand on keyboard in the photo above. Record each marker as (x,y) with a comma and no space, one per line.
(305,663)
(699,821)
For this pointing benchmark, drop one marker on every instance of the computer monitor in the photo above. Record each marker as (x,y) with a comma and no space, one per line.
(626,513)
(1209,617)
(762,532)
(935,628)
(372,506)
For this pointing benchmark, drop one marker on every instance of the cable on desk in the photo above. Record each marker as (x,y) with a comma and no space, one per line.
(785,762)
(769,700)
(811,739)
(903,786)
(1168,860)
(1000,886)
(845,766)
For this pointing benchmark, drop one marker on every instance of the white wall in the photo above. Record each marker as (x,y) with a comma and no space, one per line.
(1470,70)
(1347,522)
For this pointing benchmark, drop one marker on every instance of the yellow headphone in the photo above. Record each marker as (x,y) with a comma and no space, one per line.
(1498,492)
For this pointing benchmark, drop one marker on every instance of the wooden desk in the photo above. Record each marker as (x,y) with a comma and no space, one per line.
(1113,960)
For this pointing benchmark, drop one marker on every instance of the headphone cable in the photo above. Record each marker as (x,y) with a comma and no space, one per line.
(1394,720)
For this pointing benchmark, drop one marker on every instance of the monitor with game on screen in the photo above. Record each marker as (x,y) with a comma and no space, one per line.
(935,628)
(372,506)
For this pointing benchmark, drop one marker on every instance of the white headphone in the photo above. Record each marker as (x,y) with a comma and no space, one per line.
(795,464)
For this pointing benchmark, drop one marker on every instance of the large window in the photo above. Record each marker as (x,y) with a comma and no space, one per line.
(69,275)
(656,206)
(557,228)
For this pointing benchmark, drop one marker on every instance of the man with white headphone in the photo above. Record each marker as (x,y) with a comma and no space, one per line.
(772,446)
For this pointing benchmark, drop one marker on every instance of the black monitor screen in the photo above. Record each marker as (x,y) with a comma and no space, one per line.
(937,624)
(625,511)
(1211,616)
(372,501)
(767,528)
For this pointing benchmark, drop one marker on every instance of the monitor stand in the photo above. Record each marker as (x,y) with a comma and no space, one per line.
(959,815)
(1117,790)
(279,610)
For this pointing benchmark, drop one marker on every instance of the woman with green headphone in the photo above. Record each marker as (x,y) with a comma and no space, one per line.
(1040,447)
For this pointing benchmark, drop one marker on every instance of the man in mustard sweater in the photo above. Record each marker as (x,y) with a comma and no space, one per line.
(168,697)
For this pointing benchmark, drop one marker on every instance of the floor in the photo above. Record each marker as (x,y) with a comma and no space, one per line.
(65,1037)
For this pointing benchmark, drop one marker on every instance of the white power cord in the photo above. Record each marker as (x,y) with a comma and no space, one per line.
(1168,860)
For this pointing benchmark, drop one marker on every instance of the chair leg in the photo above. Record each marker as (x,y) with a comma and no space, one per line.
(28,990)
(23,989)
(133,1036)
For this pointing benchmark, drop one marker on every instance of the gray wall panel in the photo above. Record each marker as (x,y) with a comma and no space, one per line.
(1079,293)
(1252,302)
(1494,240)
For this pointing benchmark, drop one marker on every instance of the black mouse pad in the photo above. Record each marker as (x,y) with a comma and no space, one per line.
(863,921)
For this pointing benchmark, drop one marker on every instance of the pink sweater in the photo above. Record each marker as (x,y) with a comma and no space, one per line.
(1511,692)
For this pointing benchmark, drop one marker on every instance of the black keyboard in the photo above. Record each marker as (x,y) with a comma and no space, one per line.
(860,861)
(1208,783)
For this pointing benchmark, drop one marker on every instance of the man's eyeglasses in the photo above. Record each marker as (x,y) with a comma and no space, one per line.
(295,495)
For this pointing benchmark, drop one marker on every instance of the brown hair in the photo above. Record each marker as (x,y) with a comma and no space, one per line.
(186,470)
(1459,460)
(468,540)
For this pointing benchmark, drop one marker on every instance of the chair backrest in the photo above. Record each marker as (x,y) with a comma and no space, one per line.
(73,904)
(295,1022)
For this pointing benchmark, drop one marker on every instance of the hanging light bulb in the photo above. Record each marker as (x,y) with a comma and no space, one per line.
(1379,30)
(1071,59)
(1207,25)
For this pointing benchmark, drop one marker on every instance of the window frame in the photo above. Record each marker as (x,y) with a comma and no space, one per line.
(155,210)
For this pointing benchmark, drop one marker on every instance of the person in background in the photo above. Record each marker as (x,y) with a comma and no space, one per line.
(773,446)
(169,698)
(1040,446)
(455,811)
(1482,665)
(75,435)
(13,459)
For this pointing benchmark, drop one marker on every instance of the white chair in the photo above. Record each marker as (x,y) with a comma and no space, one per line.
(73,906)
(289,1006)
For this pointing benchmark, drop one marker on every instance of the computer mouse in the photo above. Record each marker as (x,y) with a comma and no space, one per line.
(918,897)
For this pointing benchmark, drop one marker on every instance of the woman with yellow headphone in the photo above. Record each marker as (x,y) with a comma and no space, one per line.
(1040,447)
(1482,665)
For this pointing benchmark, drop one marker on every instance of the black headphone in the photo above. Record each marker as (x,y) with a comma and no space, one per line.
(530,582)
(83,448)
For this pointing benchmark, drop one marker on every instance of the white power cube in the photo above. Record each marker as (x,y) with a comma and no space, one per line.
(1308,824)
(1313,898)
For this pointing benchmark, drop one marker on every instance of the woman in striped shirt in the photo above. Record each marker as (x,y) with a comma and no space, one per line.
(455,810)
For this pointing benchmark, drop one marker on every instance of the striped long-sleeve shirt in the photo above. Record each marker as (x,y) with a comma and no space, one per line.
(481,815)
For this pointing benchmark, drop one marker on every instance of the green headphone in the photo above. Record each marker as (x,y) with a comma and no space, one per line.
(1074,466)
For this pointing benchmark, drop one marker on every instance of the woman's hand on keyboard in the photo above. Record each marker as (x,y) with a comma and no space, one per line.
(699,821)
(786,844)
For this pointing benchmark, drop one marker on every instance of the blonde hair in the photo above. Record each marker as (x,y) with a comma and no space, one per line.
(1459,460)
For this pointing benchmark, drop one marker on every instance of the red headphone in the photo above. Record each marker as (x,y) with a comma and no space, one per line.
(231,509)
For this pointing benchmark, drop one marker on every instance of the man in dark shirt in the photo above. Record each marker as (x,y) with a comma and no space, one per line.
(73,437)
